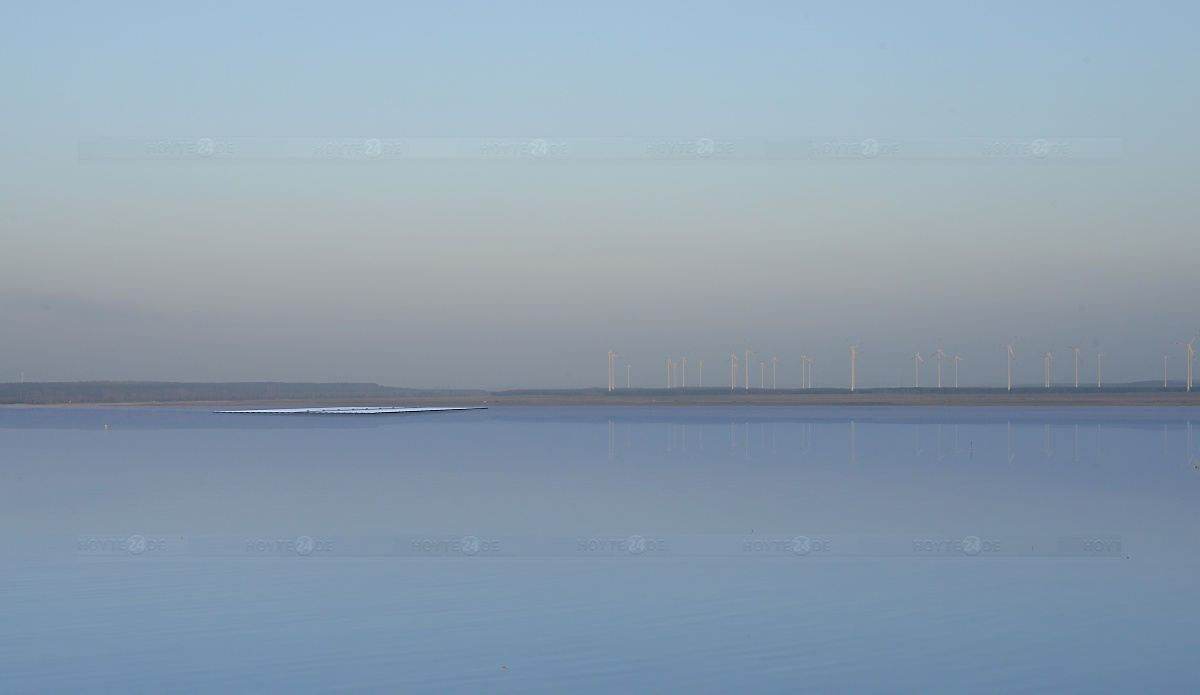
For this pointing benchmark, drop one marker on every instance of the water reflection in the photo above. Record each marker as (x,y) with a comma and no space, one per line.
(1046,431)
(527,470)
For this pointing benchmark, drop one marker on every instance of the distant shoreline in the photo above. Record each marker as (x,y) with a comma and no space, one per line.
(279,394)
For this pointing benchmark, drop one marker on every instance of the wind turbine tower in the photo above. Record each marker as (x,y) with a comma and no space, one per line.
(733,371)
(940,356)
(684,370)
(1048,359)
(1076,349)
(1010,358)
(701,372)
(774,365)
(853,354)
(917,363)
(748,353)
(957,359)
(1189,355)
(1103,354)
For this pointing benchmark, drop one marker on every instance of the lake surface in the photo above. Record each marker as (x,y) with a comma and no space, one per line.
(641,549)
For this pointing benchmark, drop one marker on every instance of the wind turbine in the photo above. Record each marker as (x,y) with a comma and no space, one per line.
(917,363)
(701,373)
(762,375)
(611,365)
(1011,358)
(957,359)
(1049,359)
(1076,349)
(1191,360)
(940,356)
(684,371)
(748,353)
(774,365)
(1190,354)
(804,381)
(668,372)
(853,354)
(1103,354)
(628,369)
(733,371)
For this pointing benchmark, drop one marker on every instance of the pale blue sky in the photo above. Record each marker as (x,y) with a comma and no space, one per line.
(465,274)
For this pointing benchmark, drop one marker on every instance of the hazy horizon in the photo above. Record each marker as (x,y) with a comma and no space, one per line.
(286,264)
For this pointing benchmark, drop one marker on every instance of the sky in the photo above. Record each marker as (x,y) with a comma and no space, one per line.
(184,193)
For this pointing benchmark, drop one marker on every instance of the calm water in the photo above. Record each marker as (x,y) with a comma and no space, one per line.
(600,550)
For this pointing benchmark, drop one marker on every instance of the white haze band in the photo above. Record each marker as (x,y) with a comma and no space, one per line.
(343,410)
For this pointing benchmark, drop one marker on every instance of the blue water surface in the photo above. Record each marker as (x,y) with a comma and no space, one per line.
(556,550)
